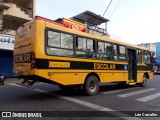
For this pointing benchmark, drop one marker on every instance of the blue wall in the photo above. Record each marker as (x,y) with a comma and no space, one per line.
(158,52)
(6,63)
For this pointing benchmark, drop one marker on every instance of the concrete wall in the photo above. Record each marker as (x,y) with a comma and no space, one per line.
(15,11)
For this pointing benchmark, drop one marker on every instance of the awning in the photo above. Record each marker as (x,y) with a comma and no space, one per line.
(89,18)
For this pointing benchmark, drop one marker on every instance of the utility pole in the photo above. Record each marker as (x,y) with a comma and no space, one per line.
(34,9)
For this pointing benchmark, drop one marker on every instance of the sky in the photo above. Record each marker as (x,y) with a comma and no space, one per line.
(133,21)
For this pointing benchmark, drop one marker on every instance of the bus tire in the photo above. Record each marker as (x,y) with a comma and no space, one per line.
(144,81)
(91,86)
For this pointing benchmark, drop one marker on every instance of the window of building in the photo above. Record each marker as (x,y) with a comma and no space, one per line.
(60,44)
(139,56)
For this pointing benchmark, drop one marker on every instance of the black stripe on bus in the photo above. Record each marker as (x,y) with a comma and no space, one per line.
(143,68)
(79,65)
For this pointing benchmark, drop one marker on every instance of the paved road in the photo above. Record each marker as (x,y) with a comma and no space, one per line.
(112,100)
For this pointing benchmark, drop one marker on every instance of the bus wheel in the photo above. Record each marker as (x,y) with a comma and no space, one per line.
(144,81)
(91,85)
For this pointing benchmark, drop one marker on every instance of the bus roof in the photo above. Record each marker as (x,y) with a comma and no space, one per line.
(62,28)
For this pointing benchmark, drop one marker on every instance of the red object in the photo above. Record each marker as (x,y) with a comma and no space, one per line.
(74,26)
(48,20)
(82,29)
(67,25)
(63,23)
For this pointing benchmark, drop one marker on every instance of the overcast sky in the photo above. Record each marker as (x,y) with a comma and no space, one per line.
(133,21)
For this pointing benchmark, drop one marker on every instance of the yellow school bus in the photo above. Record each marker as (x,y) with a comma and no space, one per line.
(50,52)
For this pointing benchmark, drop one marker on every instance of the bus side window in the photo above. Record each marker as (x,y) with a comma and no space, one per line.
(90,51)
(85,48)
(80,47)
(122,53)
(59,44)
(66,41)
(115,52)
(101,51)
(108,51)
(139,56)
(54,39)
(81,44)
(147,57)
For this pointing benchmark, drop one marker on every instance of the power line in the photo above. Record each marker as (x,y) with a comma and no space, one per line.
(115,8)
(64,6)
(103,13)
(57,6)
(107,8)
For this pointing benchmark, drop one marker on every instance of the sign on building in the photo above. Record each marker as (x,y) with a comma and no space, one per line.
(7,42)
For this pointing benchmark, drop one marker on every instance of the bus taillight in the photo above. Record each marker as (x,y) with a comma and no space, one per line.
(33,60)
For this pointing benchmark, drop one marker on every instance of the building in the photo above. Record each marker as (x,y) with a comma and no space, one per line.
(92,22)
(150,46)
(158,52)
(13,13)
(6,54)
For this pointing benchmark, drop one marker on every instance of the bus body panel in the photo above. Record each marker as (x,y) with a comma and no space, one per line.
(74,77)
(35,42)
(23,49)
(40,40)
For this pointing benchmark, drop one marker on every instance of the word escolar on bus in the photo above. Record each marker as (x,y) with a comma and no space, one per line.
(104,66)
(23,58)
